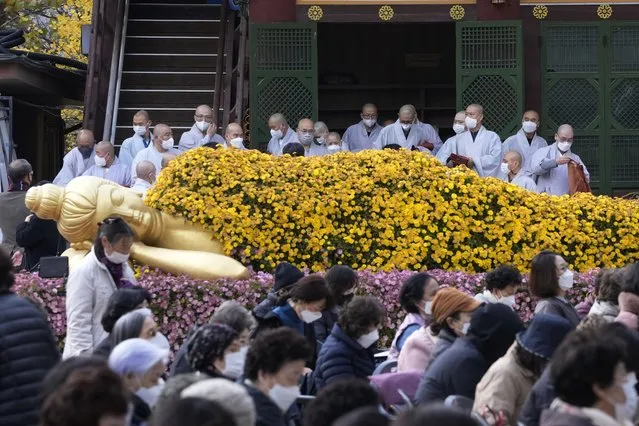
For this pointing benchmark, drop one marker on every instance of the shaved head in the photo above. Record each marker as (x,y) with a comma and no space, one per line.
(167,158)
(565,128)
(277,119)
(142,115)
(460,117)
(160,128)
(513,159)
(513,156)
(369,109)
(233,131)
(233,128)
(105,147)
(476,107)
(146,170)
(144,167)
(85,138)
(305,124)
(531,115)
(204,110)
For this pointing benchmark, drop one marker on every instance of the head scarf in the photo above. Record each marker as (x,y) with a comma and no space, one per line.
(135,356)
(448,301)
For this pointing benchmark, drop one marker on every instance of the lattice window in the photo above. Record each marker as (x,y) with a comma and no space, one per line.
(498,98)
(572,49)
(587,147)
(624,103)
(625,48)
(625,159)
(573,101)
(287,95)
(489,47)
(284,49)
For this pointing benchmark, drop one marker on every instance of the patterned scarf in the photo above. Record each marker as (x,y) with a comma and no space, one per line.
(117,273)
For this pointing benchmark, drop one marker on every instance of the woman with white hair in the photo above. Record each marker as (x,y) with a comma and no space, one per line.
(230,395)
(140,364)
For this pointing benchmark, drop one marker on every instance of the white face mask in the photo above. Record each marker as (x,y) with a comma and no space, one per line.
(508,301)
(369,122)
(368,339)
(564,146)
(309,317)
(334,148)
(117,257)
(168,144)
(237,142)
(277,134)
(234,363)
(202,125)
(284,396)
(465,328)
(504,168)
(529,126)
(471,123)
(139,130)
(306,138)
(321,141)
(428,307)
(406,126)
(99,161)
(458,128)
(629,408)
(566,279)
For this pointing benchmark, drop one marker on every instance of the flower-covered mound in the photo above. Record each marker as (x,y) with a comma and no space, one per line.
(387,210)
(179,303)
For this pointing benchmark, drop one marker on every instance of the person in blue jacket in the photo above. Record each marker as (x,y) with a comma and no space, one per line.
(349,350)
(298,308)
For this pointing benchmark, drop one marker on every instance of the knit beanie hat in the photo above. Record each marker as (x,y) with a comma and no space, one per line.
(285,276)
(448,301)
(209,343)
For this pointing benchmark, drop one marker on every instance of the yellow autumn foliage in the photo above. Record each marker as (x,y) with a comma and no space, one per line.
(53,27)
(384,210)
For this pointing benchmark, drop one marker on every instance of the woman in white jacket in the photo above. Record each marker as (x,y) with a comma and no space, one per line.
(100,273)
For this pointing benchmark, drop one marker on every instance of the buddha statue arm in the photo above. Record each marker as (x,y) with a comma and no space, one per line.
(198,264)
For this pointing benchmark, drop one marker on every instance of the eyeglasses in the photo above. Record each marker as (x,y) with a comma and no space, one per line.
(369,116)
(203,117)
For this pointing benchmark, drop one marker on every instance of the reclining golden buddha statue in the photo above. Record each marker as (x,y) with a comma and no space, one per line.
(162,241)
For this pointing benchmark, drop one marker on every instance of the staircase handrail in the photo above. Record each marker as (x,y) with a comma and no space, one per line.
(117,78)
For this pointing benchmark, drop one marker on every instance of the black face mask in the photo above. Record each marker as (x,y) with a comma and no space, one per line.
(85,151)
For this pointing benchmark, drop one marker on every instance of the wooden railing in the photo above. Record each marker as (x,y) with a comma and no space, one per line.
(108,17)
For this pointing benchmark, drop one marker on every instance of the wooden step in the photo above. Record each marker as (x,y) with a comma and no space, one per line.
(164,98)
(173,11)
(172,27)
(168,80)
(164,62)
(171,44)
(177,116)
